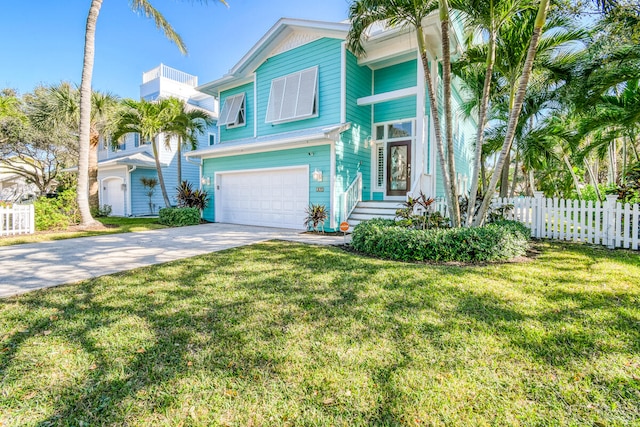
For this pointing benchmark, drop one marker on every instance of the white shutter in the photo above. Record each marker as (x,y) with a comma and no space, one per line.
(275,100)
(231,110)
(293,96)
(307,93)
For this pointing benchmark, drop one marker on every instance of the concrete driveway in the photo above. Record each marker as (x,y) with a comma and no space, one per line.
(24,268)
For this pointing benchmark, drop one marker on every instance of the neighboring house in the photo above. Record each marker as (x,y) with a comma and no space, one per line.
(120,170)
(303,121)
(15,188)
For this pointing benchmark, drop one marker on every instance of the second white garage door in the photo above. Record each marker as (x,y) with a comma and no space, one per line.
(272,198)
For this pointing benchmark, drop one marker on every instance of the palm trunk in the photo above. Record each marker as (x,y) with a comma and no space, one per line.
(482,119)
(504,176)
(483,173)
(576,181)
(515,112)
(446,81)
(85,116)
(94,195)
(532,182)
(516,171)
(179,160)
(165,196)
(437,129)
(593,179)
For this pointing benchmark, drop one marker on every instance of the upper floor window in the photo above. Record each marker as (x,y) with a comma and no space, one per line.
(233,111)
(136,139)
(293,97)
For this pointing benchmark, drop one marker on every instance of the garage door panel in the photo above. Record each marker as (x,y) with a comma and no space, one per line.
(276,198)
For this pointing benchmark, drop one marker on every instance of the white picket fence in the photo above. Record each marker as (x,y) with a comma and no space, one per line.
(17,219)
(607,223)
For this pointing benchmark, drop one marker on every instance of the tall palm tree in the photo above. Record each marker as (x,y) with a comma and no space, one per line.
(138,6)
(187,125)
(363,14)
(149,119)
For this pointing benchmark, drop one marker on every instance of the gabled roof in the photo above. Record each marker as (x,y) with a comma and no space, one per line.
(141,159)
(262,50)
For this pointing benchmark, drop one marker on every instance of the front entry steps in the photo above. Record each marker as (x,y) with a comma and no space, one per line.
(373,209)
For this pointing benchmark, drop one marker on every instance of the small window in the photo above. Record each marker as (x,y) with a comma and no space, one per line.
(136,139)
(400,130)
(212,139)
(293,97)
(380,133)
(380,177)
(104,144)
(233,112)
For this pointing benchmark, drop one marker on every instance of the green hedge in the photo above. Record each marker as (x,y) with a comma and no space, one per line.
(56,213)
(497,241)
(179,216)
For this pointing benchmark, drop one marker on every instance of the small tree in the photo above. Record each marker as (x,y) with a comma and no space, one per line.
(149,189)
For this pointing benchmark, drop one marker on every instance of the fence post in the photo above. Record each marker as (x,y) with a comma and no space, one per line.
(32,218)
(610,218)
(537,219)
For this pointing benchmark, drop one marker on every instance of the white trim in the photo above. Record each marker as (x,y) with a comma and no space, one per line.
(255,106)
(332,185)
(263,148)
(343,82)
(388,96)
(420,134)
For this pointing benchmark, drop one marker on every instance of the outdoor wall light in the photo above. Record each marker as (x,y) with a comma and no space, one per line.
(123,187)
(205,180)
(317,175)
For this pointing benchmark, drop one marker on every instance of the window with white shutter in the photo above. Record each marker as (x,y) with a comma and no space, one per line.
(233,111)
(293,97)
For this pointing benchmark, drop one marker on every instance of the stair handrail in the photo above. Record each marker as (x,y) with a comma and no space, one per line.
(352,196)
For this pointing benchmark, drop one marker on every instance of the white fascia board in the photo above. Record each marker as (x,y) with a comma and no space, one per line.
(260,147)
(388,96)
(215,87)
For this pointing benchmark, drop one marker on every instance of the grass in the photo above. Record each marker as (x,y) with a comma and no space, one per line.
(283,334)
(114,225)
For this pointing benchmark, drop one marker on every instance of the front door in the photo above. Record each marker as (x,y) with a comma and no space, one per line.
(398,168)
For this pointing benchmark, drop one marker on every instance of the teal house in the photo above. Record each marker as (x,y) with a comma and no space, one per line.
(303,121)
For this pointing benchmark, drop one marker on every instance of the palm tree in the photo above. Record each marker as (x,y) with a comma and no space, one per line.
(149,119)
(363,14)
(188,123)
(137,6)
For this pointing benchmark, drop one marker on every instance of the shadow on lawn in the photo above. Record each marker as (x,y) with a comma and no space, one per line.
(240,322)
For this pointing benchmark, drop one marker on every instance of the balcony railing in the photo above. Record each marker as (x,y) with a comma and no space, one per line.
(170,73)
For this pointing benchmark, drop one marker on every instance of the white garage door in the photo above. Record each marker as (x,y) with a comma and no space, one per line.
(272,198)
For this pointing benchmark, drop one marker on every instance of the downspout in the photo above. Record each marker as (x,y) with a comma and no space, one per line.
(129,205)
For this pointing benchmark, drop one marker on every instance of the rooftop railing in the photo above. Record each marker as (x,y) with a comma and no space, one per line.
(170,73)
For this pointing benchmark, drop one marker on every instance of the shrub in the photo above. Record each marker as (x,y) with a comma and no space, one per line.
(189,198)
(316,216)
(58,212)
(102,211)
(178,217)
(497,241)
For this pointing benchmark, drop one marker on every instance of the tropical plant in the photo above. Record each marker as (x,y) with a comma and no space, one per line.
(187,197)
(138,6)
(149,185)
(316,216)
(188,123)
(149,119)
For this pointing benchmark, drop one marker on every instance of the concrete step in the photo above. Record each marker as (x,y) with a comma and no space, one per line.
(375,211)
(366,216)
(382,204)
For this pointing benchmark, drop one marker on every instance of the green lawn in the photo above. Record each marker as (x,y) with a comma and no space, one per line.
(292,335)
(113,225)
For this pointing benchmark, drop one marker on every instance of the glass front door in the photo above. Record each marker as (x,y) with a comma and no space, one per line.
(398,168)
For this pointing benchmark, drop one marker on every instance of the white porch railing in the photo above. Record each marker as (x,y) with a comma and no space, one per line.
(17,219)
(351,197)
(169,73)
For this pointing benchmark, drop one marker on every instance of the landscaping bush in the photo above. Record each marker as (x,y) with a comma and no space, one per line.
(57,212)
(501,240)
(179,216)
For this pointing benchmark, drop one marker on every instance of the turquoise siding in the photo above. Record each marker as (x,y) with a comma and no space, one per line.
(139,198)
(274,159)
(398,109)
(351,155)
(378,195)
(245,131)
(324,53)
(395,77)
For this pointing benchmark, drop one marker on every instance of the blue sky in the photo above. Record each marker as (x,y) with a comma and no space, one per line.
(41,41)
